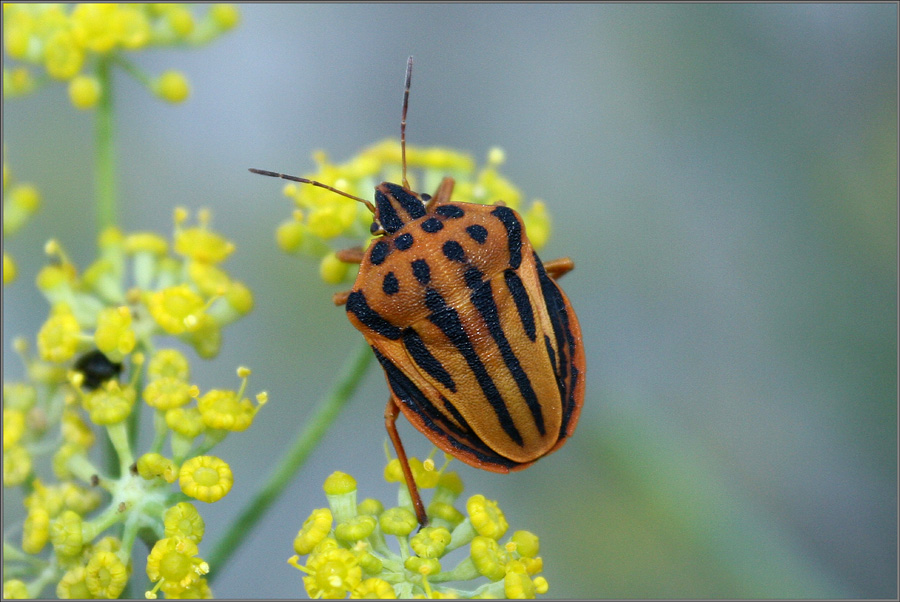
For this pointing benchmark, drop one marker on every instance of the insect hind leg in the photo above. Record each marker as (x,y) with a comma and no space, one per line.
(390,422)
(556,268)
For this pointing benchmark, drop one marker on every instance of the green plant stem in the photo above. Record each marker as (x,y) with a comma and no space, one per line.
(105,155)
(105,184)
(324,415)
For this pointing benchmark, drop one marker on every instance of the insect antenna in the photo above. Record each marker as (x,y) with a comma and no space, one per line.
(409,63)
(274,174)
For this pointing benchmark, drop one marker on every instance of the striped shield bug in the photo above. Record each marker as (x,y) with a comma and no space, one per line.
(480,347)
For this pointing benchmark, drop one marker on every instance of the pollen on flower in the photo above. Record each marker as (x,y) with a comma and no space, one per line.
(225,410)
(173,564)
(176,309)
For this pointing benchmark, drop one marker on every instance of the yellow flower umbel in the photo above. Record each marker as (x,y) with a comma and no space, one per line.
(324,222)
(456,555)
(96,358)
(67,41)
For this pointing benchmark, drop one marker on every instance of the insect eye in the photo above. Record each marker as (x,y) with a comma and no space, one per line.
(425,197)
(376,228)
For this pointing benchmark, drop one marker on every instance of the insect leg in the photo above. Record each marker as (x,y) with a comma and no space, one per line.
(390,422)
(442,194)
(351,255)
(559,267)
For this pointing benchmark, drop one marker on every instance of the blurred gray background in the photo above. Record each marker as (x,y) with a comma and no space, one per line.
(725,178)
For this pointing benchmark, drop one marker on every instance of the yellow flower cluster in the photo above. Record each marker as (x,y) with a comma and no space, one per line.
(349,555)
(68,40)
(324,222)
(96,358)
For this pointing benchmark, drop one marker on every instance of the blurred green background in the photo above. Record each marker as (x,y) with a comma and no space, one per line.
(725,178)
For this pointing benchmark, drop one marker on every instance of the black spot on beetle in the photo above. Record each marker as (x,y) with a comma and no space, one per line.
(380,252)
(421,271)
(404,241)
(478,233)
(390,285)
(450,211)
(454,251)
(432,225)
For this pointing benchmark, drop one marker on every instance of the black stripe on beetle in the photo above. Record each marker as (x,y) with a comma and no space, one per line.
(404,241)
(413,207)
(523,302)
(454,251)
(388,218)
(513,234)
(483,299)
(567,373)
(359,307)
(447,320)
(425,360)
(380,251)
(410,395)
(473,277)
(421,271)
(432,225)
(451,211)
(478,233)
(390,285)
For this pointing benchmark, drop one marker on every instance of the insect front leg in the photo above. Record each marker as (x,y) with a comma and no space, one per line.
(390,422)
(559,267)
(352,255)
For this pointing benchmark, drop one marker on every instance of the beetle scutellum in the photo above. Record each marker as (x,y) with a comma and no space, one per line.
(480,347)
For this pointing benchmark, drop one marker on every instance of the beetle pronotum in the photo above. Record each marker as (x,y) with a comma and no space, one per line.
(480,347)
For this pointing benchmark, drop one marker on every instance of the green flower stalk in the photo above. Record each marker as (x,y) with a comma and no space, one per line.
(349,551)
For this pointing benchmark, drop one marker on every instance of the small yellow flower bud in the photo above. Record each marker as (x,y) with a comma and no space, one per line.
(486,516)
(36,530)
(172,86)
(63,58)
(84,91)
(206,478)
(358,527)
(66,534)
(430,542)
(183,520)
(339,483)
(333,270)
(14,589)
(398,521)
(226,16)
(153,465)
(9,268)
(314,530)
(73,586)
